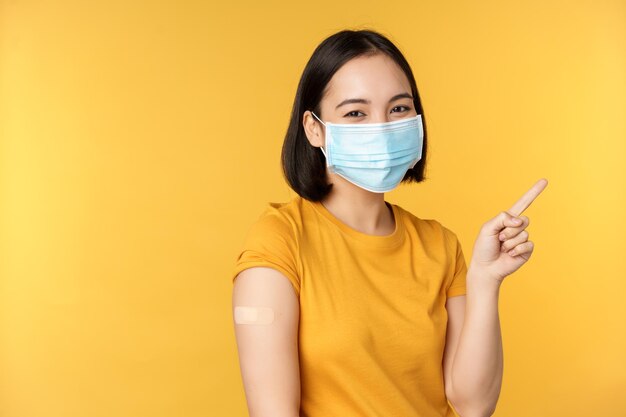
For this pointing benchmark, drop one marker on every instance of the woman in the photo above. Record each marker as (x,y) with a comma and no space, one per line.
(346,304)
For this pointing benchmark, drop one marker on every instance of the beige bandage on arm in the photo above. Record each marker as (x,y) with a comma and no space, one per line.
(253,315)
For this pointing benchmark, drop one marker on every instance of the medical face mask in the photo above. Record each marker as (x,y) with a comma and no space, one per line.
(374,156)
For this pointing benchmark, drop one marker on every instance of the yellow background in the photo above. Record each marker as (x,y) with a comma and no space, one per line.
(139,141)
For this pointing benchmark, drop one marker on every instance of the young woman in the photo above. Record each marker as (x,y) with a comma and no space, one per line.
(345,304)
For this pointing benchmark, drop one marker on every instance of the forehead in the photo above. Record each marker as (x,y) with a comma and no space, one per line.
(368,76)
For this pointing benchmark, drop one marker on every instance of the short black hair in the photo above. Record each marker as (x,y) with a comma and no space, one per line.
(304,165)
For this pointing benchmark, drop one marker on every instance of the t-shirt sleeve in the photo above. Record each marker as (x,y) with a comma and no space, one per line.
(270,242)
(456,285)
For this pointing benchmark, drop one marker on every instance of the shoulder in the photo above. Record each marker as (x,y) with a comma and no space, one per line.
(271,242)
(282,216)
(278,220)
(429,229)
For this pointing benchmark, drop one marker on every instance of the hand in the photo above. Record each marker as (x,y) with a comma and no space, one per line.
(497,258)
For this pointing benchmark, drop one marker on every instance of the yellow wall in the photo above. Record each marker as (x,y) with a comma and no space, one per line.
(139,140)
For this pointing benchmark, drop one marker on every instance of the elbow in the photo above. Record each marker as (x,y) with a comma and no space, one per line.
(473,405)
(468,408)
(474,410)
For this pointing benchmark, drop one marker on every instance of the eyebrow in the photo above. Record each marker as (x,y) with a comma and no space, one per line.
(364,101)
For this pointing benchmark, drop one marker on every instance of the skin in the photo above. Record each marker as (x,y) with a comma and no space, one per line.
(472,362)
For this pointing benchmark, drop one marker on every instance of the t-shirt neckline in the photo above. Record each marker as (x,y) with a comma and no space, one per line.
(379,241)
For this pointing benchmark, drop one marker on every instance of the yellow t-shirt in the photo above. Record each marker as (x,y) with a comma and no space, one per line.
(372,308)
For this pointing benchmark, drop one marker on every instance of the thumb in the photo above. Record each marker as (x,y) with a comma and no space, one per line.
(502,220)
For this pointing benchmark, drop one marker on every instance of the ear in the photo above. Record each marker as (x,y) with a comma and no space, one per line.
(313,129)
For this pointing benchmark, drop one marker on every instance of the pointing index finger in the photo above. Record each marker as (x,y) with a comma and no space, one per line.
(530,195)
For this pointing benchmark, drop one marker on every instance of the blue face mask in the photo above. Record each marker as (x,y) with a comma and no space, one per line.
(374,156)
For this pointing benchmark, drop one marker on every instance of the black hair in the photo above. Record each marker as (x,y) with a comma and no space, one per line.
(304,165)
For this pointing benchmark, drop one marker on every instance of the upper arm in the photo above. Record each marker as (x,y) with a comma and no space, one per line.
(455,307)
(268,353)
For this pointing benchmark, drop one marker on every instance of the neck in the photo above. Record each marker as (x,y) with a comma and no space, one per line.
(360,209)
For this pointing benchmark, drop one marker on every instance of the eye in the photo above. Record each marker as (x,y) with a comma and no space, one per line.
(400,107)
(352,113)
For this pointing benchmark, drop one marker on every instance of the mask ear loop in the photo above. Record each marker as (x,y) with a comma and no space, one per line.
(321,147)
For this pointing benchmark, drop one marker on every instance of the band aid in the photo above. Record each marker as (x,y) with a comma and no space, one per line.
(253,315)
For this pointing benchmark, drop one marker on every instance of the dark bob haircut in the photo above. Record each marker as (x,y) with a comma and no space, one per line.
(304,165)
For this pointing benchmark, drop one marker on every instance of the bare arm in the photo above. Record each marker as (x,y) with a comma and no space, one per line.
(501,248)
(268,353)
(455,307)
(474,374)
